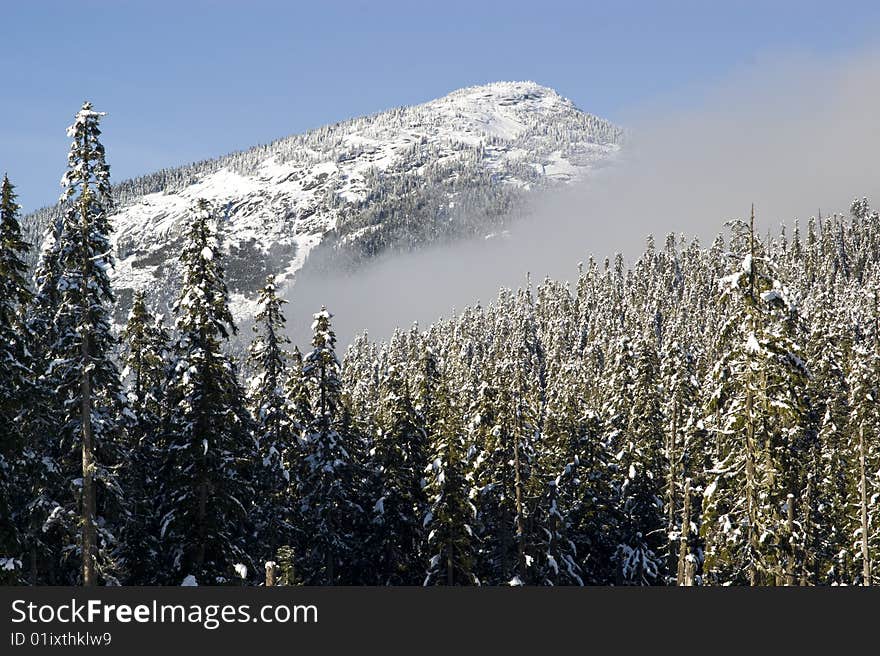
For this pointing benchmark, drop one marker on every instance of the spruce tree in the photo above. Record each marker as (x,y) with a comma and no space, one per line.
(293,462)
(145,355)
(758,400)
(207,476)
(642,530)
(397,463)
(15,384)
(559,508)
(329,493)
(864,456)
(276,430)
(299,397)
(82,372)
(14,288)
(831,486)
(580,546)
(502,471)
(450,542)
(684,454)
(38,472)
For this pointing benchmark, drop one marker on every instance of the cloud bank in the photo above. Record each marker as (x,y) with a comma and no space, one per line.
(795,135)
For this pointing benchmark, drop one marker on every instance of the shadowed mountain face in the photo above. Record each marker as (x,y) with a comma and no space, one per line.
(334,197)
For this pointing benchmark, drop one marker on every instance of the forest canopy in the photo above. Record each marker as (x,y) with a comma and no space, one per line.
(707,416)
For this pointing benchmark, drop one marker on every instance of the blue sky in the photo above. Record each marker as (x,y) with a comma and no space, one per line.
(184,80)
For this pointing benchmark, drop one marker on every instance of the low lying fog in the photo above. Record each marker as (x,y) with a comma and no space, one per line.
(790,134)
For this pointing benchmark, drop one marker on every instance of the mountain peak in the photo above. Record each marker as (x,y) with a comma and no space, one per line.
(512,90)
(497,109)
(343,193)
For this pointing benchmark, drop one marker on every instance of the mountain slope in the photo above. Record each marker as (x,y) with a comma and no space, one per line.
(455,166)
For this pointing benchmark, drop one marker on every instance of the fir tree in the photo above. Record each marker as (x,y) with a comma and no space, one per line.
(831,488)
(276,431)
(207,488)
(38,471)
(502,471)
(15,383)
(14,288)
(583,491)
(82,373)
(759,403)
(864,456)
(641,532)
(450,541)
(146,353)
(328,497)
(684,453)
(559,505)
(397,462)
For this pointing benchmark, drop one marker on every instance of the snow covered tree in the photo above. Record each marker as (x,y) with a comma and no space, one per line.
(145,349)
(584,492)
(293,461)
(618,391)
(297,393)
(207,477)
(758,399)
(145,356)
(831,487)
(14,288)
(82,372)
(276,431)
(684,453)
(329,493)
(864,456)
(38,474)
(397,463)
(504,421)
(450,541)
(569,487)
(642,529)
(15,382)
(558,510)
(500,474)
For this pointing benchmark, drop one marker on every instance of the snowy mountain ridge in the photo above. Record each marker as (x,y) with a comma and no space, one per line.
(398,179)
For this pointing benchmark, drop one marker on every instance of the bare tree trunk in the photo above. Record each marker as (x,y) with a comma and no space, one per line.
(672,475)
(88,454)
(517,486)
(271,573)
(88,487)
(808,566)
(520,527)
(863,484)
(751,449)
(689,572)
(789,530)
(751,509)
(685,564)
(450,543)
(202,516)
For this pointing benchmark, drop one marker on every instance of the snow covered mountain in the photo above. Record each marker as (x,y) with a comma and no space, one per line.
(455,166)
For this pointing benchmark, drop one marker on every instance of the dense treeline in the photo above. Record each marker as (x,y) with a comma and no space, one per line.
(704,417)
